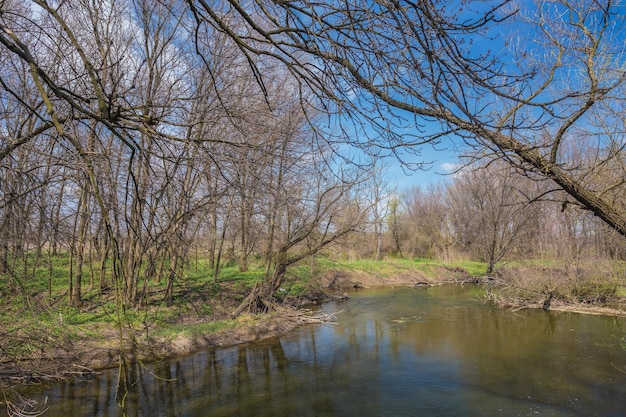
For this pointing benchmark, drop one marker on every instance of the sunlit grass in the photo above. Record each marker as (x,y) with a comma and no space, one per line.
(196,329)
(27,290)
(172,330)
(389,267)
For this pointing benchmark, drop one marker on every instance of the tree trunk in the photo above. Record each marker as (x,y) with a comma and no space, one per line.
(261,297)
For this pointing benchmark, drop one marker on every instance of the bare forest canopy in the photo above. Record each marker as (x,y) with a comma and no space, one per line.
(137,131)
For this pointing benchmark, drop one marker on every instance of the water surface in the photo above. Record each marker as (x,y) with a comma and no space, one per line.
(391,352)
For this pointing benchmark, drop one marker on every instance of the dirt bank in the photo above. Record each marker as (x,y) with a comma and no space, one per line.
(87,356)
(249,328)
(105,347)
(338,279)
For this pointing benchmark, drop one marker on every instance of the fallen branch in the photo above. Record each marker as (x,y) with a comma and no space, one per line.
(306,316)
(29,377)
(21,406)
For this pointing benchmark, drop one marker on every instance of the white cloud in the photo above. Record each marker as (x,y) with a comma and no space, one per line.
(449,166)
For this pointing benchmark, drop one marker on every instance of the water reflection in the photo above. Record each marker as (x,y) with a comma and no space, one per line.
(392,352)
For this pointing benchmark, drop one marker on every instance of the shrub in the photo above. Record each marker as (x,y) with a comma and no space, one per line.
(595,291)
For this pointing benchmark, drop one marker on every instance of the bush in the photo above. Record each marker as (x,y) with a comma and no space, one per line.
(597,291)
(534,284)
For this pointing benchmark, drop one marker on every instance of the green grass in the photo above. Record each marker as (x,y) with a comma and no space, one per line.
(193,330)
(431,267)
(394,266)
(537,262)
(197,297)
(35,278)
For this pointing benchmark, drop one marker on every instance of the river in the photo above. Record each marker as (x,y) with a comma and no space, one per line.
(393,352)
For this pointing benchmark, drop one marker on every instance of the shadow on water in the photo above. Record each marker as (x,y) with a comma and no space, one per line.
(392,352)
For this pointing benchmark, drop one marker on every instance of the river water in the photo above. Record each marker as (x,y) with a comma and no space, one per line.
(391,352)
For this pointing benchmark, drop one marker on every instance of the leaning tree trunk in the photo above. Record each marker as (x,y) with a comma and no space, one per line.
(260,299)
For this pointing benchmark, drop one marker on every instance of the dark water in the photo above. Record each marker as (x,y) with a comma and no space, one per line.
(392,352)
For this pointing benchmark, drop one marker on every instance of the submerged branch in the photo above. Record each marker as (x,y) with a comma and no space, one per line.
(20,406)
(306,316)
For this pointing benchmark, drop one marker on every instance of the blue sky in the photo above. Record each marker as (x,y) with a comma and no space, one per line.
(444,161)
(439,159)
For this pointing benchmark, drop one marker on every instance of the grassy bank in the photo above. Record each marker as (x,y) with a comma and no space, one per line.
(44,337)
(42,334)
(551,284)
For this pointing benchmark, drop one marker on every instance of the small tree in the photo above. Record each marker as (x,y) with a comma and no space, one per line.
(394,225)
(489,210)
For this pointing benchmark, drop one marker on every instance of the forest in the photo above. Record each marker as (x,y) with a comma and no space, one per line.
(140,138)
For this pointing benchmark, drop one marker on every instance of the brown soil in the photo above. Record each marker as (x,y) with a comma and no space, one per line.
(338,280)
(87,356)
(144,348)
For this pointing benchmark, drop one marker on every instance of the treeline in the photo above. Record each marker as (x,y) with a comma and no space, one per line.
(490,212)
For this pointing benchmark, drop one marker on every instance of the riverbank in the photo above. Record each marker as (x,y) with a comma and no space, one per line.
(592,289)
(48,341)
(69,342)
(421,335)
(189,335)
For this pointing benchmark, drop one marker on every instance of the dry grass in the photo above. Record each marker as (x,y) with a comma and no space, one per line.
(593,285)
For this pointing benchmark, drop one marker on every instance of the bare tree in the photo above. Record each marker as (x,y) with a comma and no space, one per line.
(454,70)
(309,206)
(379,194)
(489,210)
(424,220)
(394,226)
